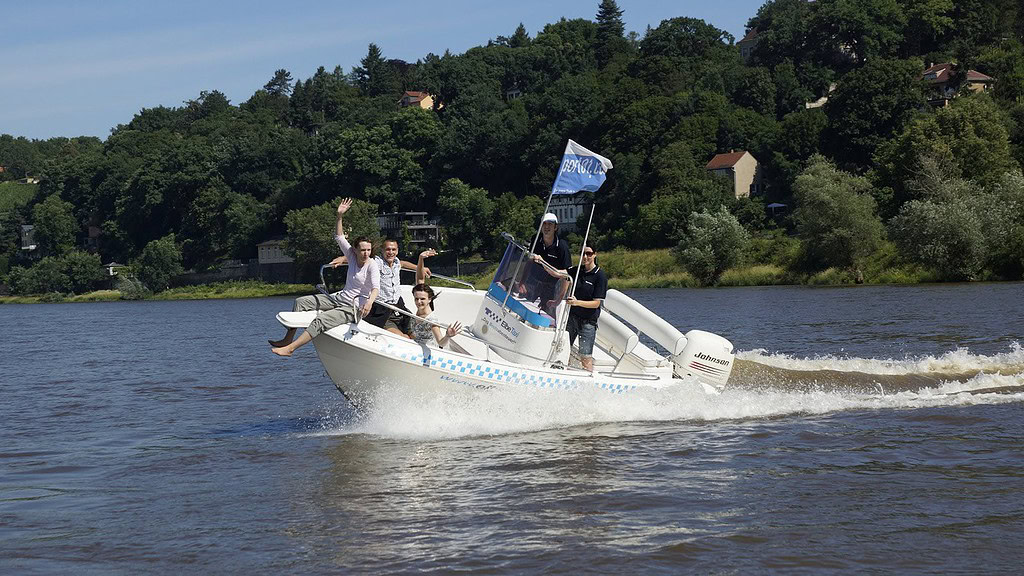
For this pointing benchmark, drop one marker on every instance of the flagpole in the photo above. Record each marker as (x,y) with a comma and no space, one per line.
(583,249)
(546,206)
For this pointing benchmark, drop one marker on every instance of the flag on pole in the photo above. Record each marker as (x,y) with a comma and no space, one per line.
(581,169)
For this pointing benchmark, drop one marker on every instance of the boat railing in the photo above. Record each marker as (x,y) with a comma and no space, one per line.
(432,275)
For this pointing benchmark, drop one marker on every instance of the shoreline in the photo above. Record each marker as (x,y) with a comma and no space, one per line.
(733,278)
(626,270)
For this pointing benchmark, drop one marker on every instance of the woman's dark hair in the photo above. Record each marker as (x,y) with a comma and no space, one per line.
(360,240)
(421,287)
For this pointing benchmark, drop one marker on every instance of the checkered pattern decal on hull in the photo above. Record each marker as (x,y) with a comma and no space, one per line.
(461,366)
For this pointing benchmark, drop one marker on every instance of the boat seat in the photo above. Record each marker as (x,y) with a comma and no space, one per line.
(296,319)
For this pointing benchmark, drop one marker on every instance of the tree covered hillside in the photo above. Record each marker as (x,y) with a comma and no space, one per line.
(880,175)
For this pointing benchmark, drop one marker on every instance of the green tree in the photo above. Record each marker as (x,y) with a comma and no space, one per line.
(714,242)
(84,271)
(55,226)
(247,220)
(310,237)
(47,275)
(375,76)
(159,262)
(969,138)
(466,214)
(960,229)
(835,216)
(870,105)
(280,84)
(867,29)
(1002,214)
(368,162)
(610,30)
(927,22)
(517,216)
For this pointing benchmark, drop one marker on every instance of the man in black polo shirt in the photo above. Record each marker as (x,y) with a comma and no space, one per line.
(591,288)
(555,252)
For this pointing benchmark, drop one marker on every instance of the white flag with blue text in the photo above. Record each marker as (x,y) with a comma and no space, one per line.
(581,169)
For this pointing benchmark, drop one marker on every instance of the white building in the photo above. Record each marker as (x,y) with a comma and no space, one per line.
(271,252)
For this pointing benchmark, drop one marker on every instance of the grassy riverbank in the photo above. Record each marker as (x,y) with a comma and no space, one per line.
(626,270)
(235,289)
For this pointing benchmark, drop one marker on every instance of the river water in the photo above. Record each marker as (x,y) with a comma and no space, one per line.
(867,429)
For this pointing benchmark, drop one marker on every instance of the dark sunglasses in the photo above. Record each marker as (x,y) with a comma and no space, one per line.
(588,253)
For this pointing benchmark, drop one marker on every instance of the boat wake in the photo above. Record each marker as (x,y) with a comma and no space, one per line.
(763,385)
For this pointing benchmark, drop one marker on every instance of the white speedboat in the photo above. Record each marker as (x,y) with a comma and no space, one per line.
(514,337)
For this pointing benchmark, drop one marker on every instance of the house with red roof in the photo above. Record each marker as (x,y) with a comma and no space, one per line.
(946,80)
(747,45)
(418,99)
(741,169)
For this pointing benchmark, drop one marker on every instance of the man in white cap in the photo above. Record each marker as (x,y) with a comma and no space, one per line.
(555,252)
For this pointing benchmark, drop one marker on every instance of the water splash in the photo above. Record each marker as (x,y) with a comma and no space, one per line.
(764,386)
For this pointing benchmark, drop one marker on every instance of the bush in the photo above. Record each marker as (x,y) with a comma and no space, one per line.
(944,234)
(835,216)
(713,243)
(85,271)
(160,261)
(131,288)
(47,275)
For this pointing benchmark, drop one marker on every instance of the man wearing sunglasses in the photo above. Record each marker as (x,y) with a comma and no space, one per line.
(590,290)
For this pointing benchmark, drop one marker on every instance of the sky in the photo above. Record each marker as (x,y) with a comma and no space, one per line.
(77,68)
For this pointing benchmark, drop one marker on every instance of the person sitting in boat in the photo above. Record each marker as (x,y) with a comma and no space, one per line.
(362,285)
(585,305)
(390,285)
(555,251)
(425,329)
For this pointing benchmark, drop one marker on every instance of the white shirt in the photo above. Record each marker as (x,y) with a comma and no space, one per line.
(390,279)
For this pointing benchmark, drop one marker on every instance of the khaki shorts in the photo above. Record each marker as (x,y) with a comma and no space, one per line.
(328,319)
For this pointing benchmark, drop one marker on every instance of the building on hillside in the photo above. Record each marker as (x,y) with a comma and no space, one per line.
(272,252)
(747,45)
(513,93)
(423,231)
(945,81)
(741,169)
(418,99)
(29,180)
(570,208)
(113,268)
(274,265)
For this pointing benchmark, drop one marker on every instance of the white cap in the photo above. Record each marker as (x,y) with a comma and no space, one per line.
(549,217)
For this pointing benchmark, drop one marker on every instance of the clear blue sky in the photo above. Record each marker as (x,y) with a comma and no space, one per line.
(71,68)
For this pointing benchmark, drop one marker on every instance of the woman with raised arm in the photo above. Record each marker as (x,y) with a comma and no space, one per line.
(424,330)
(362,284)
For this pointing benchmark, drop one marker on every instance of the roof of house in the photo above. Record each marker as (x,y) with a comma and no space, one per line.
(726,160)
(940,73)
(750,35)
(416,95)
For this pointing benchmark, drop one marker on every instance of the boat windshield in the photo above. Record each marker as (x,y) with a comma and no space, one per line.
(528,288)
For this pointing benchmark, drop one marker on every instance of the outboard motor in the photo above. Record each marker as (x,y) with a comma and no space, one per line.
(707,357)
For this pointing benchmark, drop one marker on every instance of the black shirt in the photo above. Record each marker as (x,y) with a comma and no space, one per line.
(557,254)
(591,285)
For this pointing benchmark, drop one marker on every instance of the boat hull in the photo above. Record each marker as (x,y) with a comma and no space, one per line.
(361,361)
